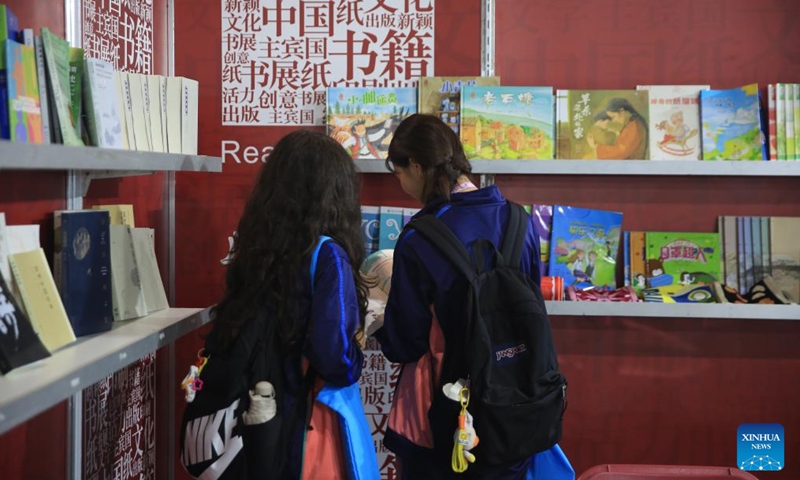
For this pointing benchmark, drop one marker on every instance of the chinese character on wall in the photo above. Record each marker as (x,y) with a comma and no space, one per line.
(120,32)
(279,56)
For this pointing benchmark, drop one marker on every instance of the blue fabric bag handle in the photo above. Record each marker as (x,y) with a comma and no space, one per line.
(357,446)
(551,464)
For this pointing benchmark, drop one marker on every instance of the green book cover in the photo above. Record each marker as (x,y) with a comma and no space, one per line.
(57,53)
(25,115)
(75,86)
(780,115)
(679,258)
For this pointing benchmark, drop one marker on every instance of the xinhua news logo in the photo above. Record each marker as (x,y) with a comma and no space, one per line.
(760,447)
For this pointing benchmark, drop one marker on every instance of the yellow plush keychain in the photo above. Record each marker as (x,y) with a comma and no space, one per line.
(465,438)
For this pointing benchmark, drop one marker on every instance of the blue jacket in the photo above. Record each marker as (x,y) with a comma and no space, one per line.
(421,277)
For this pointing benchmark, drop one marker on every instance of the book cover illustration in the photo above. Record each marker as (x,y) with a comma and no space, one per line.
(507,123)
(25,114)
(82,269)
(543,224)
(441,96)
(731,124)
(370,228)
(362,120)
(19,344)
(584,245)
(603,124)
(678,258)
(102,104)
(674,121)
(785,255)
(391,219)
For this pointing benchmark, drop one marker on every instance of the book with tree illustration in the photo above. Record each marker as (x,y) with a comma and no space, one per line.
(507,123)
(584,245)
(680,258)
(603,124)
(363,119)
(441,96)
(732,124)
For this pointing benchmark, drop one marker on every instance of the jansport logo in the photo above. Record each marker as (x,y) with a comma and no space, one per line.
(760,447)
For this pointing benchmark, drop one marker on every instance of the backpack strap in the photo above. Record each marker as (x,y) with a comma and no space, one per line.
(514,237)
(315,257)
(436,232)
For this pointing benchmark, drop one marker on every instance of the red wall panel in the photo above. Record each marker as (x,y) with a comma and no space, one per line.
(669,391)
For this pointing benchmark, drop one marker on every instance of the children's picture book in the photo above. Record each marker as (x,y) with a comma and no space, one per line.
(507,123)
(603,124)
(441,96)
(25,114)
(543,224)
(732,124)
(682,258)
(584,245)
(363,119)
(674,121)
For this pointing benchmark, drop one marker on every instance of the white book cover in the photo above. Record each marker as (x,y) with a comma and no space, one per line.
(674,121)
(155,109)
(147,102)
(138,112)
(5,269)
(127,293)
(22,238)
(162,82)
(189,116)
(789,115)
(126,117)
(102,104)
(174,92)
(149,275)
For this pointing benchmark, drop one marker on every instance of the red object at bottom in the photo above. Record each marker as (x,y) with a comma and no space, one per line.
(553,288)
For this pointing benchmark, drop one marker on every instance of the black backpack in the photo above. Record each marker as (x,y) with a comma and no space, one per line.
(503,347)
(214,441)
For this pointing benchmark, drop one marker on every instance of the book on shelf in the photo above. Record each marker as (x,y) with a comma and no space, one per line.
(39,294)
(9,30)
(603,124)
(391,225)
(583,246)
(57,52)
(174,116)
(674,121)
(125,113)
(138,114)
(682,258)
(102,105)
(82,269)
(370,227)
(149,275)
(19,344)
(508,123)
(76,74)
(363,120)
(732,124)
(127,293)
(441,96)
(189,97)
(34,41)
(25,115)
(118,214)
(543,225)
(156,111)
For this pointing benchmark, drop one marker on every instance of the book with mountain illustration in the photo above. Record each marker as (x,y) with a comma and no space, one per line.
(603,124)
(584,245)
(364,119)
(507,123)
(732,124)
(681,258)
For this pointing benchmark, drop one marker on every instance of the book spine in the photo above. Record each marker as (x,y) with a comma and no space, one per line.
(773,133)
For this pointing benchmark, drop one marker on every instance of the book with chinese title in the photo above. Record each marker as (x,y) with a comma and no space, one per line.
(680,258)
(507,123)
(441,96)
(674,121)
(731,124)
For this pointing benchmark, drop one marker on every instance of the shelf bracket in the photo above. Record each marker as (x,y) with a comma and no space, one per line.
(84,178)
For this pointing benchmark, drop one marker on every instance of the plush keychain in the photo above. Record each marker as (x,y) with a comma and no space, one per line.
(191,382)
(465,437)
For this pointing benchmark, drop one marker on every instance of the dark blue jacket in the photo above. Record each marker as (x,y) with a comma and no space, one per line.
(422,277)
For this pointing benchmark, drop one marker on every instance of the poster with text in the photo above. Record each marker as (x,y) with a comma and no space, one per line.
(120,32)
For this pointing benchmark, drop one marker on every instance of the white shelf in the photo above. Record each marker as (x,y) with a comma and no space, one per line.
(620,167)
(25,156)
(27,391)
(674,310)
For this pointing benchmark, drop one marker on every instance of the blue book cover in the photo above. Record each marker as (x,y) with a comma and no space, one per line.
(370,228)
(391,225)
(584,245)
(542,224)
(82,269)
(626,252)
(731,123)
(9,30)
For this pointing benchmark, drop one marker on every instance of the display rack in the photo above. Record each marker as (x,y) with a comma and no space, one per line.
(674,310)
(27,391)
(618,167)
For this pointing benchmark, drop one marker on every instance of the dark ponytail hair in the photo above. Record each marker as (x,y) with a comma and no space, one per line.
(435,147)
